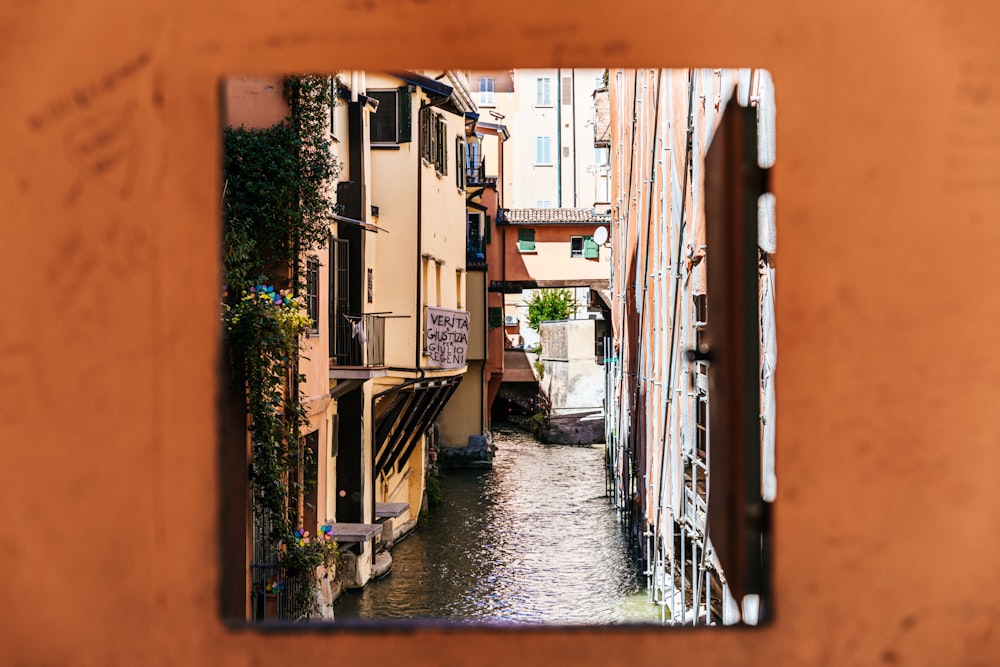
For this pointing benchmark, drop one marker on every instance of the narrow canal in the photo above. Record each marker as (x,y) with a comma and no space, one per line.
(532,540)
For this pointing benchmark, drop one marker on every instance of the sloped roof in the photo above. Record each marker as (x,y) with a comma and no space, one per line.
(554,216)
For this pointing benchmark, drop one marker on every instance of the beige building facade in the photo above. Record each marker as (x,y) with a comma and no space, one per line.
(552,159)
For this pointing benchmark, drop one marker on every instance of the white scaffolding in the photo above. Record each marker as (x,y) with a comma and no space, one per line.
(657,423)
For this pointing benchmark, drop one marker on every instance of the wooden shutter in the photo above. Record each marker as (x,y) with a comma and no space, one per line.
(738,515)
(590,248)
(496,317)
(405,102)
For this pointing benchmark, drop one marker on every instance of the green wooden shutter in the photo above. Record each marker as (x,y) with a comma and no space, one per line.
(590,248)
(526,240)
(496,317)
(405,102)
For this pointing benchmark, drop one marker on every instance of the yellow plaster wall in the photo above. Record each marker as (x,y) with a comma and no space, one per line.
(888,185)
(394,192)
(462,416)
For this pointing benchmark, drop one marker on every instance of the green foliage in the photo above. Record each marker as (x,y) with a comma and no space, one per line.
(277,184)
(276,208)
(435,490)
(540,368)
(549,304)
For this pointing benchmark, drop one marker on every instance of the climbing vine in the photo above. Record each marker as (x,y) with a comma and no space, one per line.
(277,207)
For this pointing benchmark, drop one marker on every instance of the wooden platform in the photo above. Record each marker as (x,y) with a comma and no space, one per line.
(387,510)
(355,532)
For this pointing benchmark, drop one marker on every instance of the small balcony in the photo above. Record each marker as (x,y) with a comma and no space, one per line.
(475,251)
(475,173)
(358,346)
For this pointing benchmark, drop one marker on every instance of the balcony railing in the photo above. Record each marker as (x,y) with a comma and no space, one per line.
(475,174)
(359,340)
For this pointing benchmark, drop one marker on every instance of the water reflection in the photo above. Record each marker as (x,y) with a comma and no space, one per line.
(533,540)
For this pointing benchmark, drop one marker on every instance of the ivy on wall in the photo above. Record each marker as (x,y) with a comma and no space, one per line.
(277,207)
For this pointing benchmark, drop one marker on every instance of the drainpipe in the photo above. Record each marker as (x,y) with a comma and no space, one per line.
(559,138)
(420,259)
(572,99)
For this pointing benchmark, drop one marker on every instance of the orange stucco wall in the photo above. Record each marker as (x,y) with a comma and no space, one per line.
(888,188)
(253,101)
(551,260)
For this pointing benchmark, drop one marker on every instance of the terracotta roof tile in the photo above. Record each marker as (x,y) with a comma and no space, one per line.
(554,216)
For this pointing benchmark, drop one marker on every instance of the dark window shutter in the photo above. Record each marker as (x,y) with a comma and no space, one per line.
(432,136)
(488,224)
(405,102)
(526,240)
(444,147)
(496,317)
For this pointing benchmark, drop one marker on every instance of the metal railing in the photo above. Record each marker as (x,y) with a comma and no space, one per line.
(276,596)
(359,340)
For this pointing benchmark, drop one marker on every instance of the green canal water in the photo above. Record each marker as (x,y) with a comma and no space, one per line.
(532,540)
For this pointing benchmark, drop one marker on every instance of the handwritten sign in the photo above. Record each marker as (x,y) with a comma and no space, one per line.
(447,337)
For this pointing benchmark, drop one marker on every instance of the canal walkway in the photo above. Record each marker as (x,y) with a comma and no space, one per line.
(532,540)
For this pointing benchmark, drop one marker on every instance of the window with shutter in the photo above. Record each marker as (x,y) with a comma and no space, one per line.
(425,134)
(576,246)
(392,121)
(384,122)
(590,248)
(404,114)
(312,293)
(543,150)
(543,93)
(486,91)
(460,163)
(526,240)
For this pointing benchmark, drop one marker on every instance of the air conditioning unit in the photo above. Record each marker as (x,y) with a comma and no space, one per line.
(510,320)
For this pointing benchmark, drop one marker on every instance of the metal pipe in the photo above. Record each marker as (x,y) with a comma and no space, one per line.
(559,138)
(576,158)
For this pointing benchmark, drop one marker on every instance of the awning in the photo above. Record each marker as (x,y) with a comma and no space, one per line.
(367,226)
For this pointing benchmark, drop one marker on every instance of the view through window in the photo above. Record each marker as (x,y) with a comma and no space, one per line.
(577,429)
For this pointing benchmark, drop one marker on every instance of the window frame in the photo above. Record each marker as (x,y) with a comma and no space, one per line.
(374,94)
(574,252)
(543,141)
(402,115)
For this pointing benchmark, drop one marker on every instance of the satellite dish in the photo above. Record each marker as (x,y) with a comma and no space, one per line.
(601,235)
